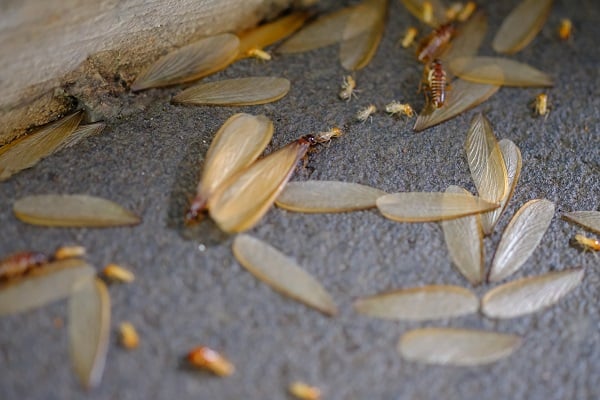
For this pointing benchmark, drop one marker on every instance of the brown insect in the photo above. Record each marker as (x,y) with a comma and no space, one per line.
(20,263)
(433,44)
(435,81)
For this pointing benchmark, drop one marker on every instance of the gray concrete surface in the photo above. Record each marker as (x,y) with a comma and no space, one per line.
(189,290)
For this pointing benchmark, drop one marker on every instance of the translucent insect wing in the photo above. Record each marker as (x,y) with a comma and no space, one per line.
(327,196)
(191,62)
(521,26)
(237,144)
(486,162)
(324,31)
(72,211)
(236,92)
(450,346)
(267,34)
(362,34)
(43,285)
(521,237)
(512,159)
(499,71)
(463,96)
(242,201)
(419,303)
(282,273)
(27,151)
(467,39)
(464,240)
(89,330)
(588,219)
(528,295)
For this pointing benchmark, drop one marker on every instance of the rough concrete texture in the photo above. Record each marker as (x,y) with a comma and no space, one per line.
(190,291)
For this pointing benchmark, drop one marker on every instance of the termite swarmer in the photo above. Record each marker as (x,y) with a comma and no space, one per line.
(433,44)
(365,113)
(348,88)
(435,81)
(396,108)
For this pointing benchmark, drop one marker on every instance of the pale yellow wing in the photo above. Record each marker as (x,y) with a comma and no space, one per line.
(282,273)
(237,144)
(236,92)
(72,211)
(419,303)
(245,197)
(521,26)
(191,62)
(499,71)
(27,151)
(528,295)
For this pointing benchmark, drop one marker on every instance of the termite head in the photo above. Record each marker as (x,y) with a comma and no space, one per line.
(196,211)
(310,139)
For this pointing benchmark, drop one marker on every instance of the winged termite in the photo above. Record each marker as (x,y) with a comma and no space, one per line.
(588,219)
(325,31)
(396,108)
(486,163)
(464,239)
(463,96)
(237,144)
(434,44)
(327,197)
(89,330)
(362,34)
(28,150)
(267,34)
(348,88)
(540,104)
(450,346)
(430,206)
(431,12)
(41,286)
(521,26)
(82,132)
(210,360)
(499,71)
(409,37)
(129,336)
(303,391)
(115,272)
(521,237)
(419,303)
(245,197)
(282,273)
(587,243)
(565,29)
(435,84)
(365,113)
(190,63)
(528,295)
(235,92)
(77,210)
(512,159)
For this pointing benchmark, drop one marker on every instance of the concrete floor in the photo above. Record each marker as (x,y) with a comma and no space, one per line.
(189,290)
